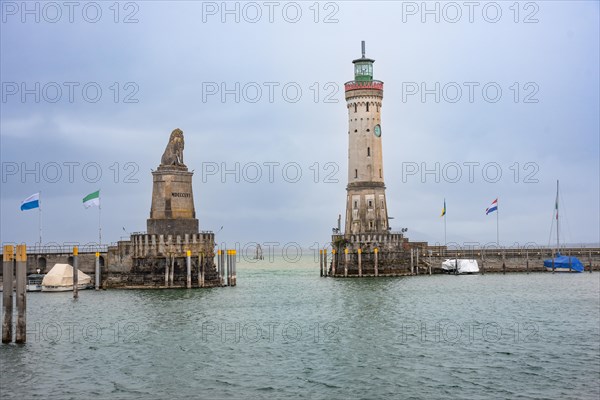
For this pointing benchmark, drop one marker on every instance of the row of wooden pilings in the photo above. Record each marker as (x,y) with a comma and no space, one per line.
(324,271)
(414,254)
(18,264)
(227,267)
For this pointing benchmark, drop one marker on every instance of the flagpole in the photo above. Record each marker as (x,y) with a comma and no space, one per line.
(444,215)
(445,241)
(497,224)
(557,231)
(40,218)
(99,215)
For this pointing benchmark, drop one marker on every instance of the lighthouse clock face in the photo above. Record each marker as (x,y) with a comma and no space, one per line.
(378,130)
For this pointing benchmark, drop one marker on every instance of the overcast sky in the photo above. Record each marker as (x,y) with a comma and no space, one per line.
(517,93)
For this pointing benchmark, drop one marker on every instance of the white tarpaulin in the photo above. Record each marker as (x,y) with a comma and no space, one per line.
(464,266)
(62,275)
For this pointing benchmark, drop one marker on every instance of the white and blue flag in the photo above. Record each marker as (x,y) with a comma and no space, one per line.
(31,202)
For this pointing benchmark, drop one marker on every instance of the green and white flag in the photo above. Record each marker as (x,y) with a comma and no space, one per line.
(92,199)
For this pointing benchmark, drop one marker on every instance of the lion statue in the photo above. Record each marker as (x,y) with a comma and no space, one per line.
(173,154)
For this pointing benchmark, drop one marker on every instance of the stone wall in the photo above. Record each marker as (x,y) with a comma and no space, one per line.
(141,262)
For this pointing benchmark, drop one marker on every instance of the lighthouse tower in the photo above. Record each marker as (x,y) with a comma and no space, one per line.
(366,207)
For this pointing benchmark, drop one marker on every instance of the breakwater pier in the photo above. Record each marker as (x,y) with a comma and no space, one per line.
(418,258)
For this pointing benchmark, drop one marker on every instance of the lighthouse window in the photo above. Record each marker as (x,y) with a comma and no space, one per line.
(356,130)
(370,204)
(380,173)
(367,106)
(356,173)
(355,107)
(355,204)
(368,152)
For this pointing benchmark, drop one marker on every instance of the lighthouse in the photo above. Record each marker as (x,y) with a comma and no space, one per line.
(368,247)
(366,206)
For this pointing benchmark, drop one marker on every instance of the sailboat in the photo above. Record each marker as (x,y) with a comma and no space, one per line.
(259,253)
(560,263)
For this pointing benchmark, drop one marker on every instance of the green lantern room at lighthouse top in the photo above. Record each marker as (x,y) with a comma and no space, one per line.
(363,67)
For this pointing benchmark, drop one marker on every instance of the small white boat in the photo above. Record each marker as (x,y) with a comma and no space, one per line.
(464,266)
(60,279)
(34,282)
(47,288)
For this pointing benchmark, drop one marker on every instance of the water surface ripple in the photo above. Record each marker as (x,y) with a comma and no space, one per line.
(283,332)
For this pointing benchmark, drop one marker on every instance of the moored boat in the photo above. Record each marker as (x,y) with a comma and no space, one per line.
(464,266)
(60,279)
(34,282)
(562,263)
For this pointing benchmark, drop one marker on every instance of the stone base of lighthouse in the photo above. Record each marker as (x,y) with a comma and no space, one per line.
(377,254)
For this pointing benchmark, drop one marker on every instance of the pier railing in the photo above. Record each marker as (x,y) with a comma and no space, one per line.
(66,249)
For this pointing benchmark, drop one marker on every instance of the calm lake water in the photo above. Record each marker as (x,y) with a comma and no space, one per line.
(284,332)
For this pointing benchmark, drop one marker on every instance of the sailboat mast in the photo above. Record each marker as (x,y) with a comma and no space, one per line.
(557,230)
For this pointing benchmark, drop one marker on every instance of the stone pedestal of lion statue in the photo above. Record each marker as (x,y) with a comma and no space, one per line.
(172,253)
(172,211)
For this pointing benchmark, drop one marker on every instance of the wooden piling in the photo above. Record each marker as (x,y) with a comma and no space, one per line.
(232,267)
(201,270)
(417,263)
(346,262)
(324,262)
(553,266)
(527,262)
(167,262)
(482,262)
(172,271)
(188,263)
(590,260)
(570,262)
(333,258)
(503,264)
(7,294)
(359,262)
(75,272)
(231,258)
(321,262)
(219,266)
(222,266)
(97,274)
(376,250)
(228,266)
(430,263)
(456,264)
(412,268)
(21,277)
(234,262)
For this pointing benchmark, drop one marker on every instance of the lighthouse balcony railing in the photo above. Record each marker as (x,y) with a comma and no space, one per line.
(369,237)
(358,85)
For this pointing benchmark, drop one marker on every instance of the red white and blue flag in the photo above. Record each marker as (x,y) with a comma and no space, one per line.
(492,208)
